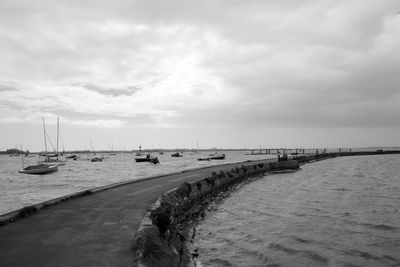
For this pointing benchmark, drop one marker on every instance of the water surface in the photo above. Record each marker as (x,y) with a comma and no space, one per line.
(337,212)
(18,190)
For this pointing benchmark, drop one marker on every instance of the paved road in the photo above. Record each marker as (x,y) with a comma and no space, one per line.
(95,230)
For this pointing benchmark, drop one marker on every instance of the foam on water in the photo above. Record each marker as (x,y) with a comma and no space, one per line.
(18,190)
(337,212)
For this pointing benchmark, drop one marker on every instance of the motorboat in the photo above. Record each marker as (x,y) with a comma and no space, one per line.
(148,158)
(218,157)
(74,157)
(177,155)
(96,159)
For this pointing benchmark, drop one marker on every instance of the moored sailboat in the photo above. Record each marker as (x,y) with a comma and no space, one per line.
(52,159)
(39,168)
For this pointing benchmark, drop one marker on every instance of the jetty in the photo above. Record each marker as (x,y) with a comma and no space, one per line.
(98,227)
(95,229)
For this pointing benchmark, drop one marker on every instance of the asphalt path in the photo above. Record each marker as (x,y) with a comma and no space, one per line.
(93,230)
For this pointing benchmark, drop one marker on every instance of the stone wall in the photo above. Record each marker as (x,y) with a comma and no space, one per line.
(160,239)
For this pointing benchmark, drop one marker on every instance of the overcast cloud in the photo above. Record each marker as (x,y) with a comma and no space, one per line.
(165,65)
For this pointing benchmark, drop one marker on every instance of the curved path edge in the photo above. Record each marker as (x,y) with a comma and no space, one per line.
(29,210)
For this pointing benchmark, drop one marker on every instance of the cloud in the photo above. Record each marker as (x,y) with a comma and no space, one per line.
(190,63)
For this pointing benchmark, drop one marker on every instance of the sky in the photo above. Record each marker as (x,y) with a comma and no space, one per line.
(217,73)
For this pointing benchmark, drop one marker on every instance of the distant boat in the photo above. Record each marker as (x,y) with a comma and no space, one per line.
(50,161)
(39,169)
(177,155)
(204,159)
(148,158)
(74,157)
(97,159)
(154,160)
(222,156)
(55,155)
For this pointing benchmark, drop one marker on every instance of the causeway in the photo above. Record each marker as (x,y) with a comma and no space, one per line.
(93,230)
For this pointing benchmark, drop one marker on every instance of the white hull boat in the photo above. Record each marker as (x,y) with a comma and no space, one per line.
(39,169)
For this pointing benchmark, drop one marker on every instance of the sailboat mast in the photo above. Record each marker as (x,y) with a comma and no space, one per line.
(58,133)
(45,142)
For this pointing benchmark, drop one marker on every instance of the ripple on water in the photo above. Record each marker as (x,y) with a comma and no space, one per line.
(18,190)
(338,212)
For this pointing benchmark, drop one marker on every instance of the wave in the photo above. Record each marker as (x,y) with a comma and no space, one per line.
(306,253)
(383,227)
(220,262)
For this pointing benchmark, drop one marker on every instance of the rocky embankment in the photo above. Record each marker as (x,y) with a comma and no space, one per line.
(160,240)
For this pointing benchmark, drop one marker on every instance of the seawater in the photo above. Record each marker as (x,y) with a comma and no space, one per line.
(18,190)
(337,212)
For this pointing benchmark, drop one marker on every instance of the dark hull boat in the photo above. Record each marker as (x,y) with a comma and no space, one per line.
(148,158)
(96,159)
(142,160)
(74,157)
(176,155)
(218,157)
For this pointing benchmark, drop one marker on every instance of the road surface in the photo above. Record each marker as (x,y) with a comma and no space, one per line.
(94,230)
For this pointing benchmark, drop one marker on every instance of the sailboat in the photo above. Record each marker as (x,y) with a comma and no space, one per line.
(49,158)
(40,168)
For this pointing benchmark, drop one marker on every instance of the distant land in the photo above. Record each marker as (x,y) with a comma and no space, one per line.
(15,151)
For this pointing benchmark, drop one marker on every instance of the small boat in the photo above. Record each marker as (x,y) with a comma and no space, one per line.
(177,155)
(74,157)
(39,169)
(96,159)
(145,159)
(222,156)
(154,160)
(50,161)
(148,158)
(55,155)
(204,159)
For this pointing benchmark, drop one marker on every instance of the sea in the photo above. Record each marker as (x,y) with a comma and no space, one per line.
(18,190)
(337,212)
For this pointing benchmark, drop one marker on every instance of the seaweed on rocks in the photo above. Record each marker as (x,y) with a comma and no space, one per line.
(199,185)
(161,216)
(184,190)
(209,180)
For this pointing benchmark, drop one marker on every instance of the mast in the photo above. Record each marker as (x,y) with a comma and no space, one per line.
(58,133)
(45,142)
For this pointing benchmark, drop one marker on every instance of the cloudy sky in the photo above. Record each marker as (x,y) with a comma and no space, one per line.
(235,73)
